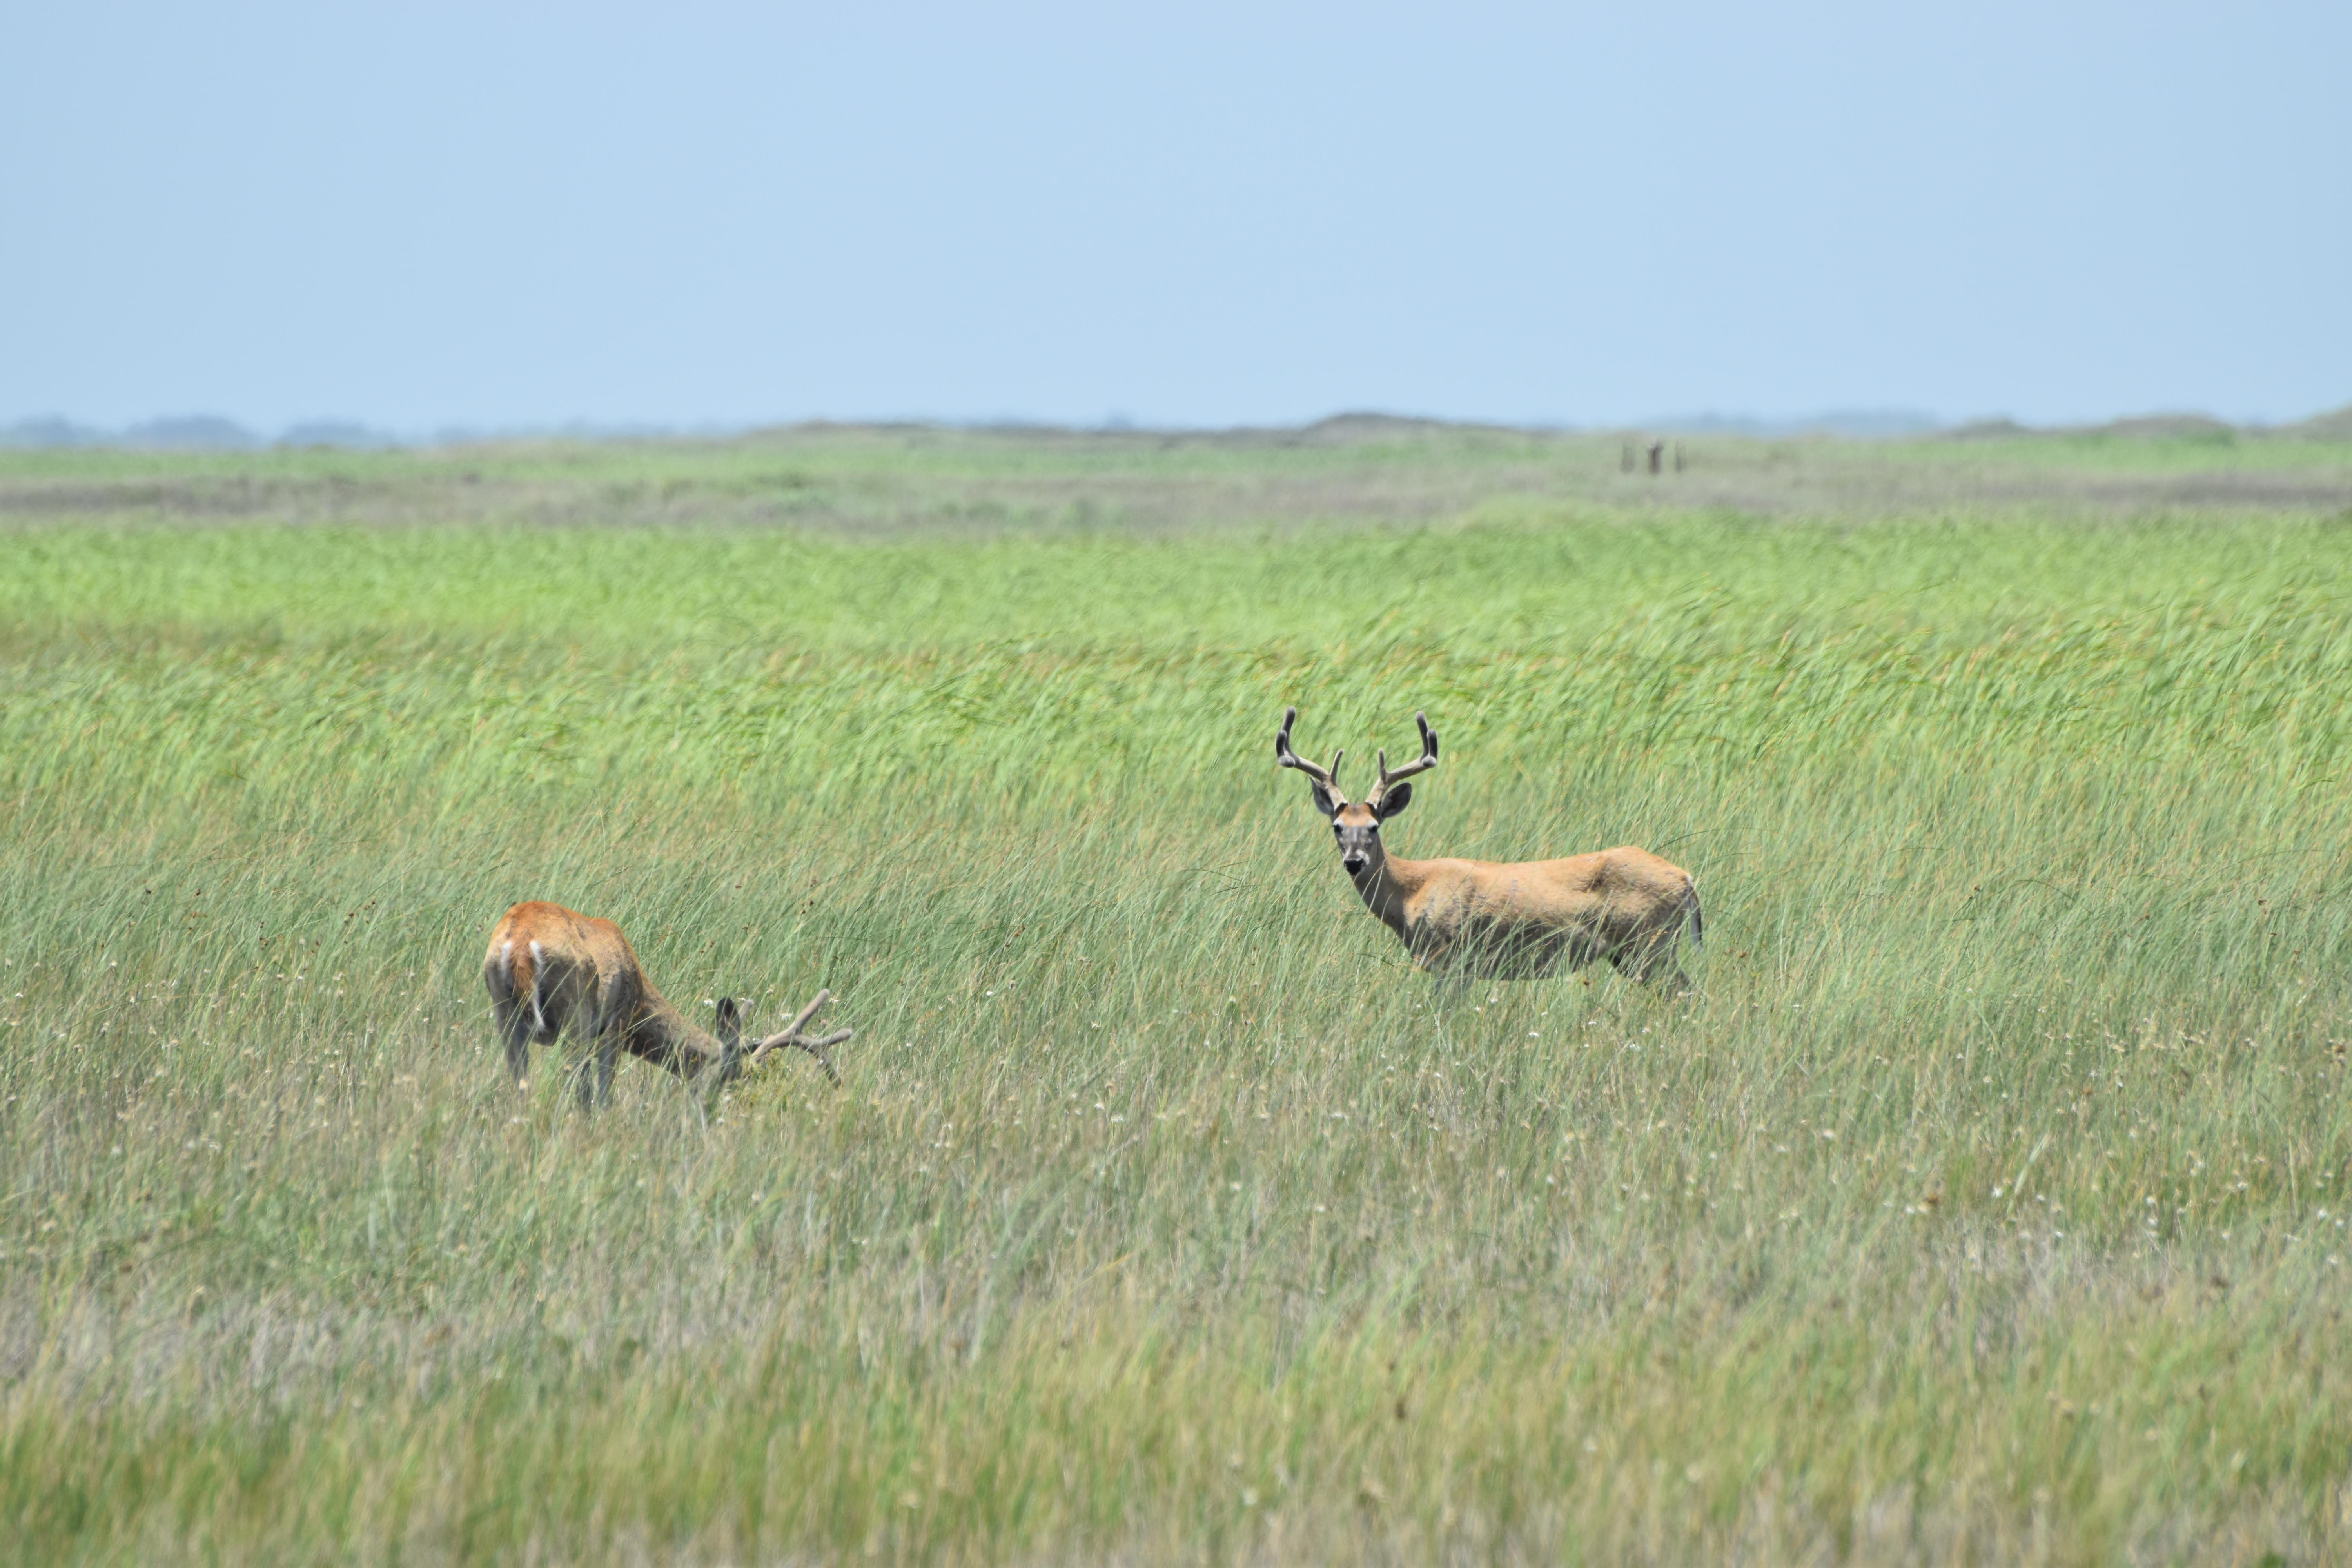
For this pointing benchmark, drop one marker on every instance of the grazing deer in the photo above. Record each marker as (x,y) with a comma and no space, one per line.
(550,970)
(1524,917)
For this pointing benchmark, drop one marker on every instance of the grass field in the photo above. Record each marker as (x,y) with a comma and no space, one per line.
(1986,1203)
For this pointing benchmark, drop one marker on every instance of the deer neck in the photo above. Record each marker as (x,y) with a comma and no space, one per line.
(665,1035)
(1386,887)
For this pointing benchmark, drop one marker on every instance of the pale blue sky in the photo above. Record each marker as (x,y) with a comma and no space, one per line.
(495,215)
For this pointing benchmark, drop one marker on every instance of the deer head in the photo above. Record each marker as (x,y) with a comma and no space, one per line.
(736,1056)
(1357,826)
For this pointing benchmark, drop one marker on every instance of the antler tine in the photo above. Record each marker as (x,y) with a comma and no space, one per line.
(1428,759)
(1327,777)
(824,1057)
(816,1048)
(789,1035)
(815,1006)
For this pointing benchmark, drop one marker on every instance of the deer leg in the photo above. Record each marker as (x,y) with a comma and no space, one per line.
(608,1054)
(1450,982)
(582,1069)
(595,1068)
(1535,955)
(1662,966)
(514,1011)
(587,1045)
(1649,961)
(514,1033)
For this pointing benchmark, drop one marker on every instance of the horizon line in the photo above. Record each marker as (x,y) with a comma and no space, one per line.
(216,432)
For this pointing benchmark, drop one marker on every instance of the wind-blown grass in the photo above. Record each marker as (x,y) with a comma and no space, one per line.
(1985,1204)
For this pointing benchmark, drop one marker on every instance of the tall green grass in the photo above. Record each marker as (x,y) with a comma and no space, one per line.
(1985,1204)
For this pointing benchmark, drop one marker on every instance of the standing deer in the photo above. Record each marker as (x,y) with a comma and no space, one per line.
(550,970)
(1526,917)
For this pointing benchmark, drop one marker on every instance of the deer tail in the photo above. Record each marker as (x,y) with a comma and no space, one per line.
(1697,915)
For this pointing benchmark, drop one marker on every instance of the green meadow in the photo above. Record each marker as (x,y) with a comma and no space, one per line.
(1986,1203)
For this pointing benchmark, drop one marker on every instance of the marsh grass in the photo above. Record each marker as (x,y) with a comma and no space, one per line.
(1986,1203)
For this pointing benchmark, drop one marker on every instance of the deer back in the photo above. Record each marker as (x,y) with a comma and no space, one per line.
(573,971)
(1614,895)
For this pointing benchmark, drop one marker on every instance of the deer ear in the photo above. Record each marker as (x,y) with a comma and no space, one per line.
(1322,798)
(731,1016)
(1396,799)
